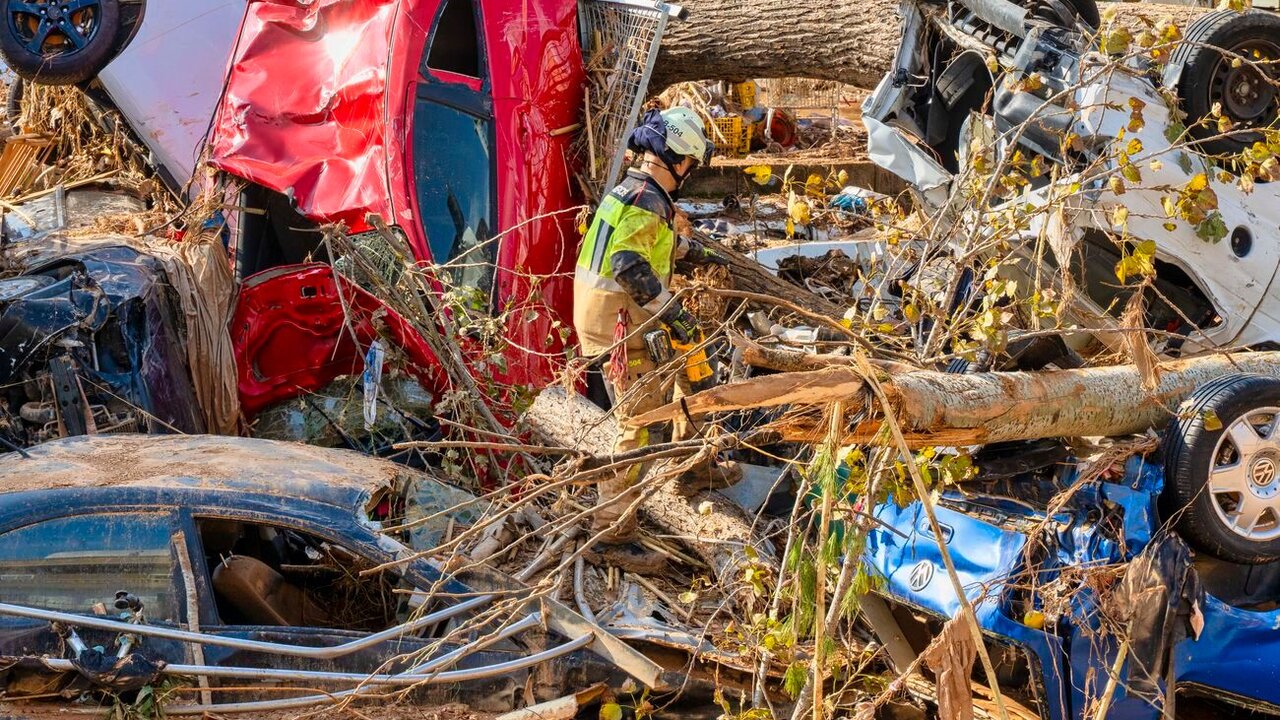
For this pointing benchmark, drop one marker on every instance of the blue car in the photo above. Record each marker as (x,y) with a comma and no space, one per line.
(1164,567)
(128,561)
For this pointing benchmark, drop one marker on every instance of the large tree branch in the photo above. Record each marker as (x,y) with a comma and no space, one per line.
(852,41)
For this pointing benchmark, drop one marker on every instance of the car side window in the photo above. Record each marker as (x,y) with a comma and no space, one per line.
(453,154)
(264,574)
(455,41)
(73,563)
(452,164)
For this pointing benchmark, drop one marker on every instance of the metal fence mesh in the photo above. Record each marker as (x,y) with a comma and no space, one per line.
(620,41)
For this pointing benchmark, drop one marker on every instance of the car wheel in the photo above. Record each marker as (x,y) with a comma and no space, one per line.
(1222,469)
(59,42)
(1248,94)
(13,105)
(1066,13)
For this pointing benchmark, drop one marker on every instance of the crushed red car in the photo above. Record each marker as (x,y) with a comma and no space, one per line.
(448,120)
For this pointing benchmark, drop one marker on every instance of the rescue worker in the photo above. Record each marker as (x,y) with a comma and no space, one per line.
(621,292)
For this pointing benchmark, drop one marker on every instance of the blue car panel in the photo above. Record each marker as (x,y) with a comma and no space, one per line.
(1237,654)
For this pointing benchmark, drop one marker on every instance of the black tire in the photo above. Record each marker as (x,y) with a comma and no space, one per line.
(13,104)
(1207,77)
(1192,450)
(1066,12)
(42,49)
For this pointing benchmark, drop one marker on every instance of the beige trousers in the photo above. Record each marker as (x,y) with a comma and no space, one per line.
(646,389)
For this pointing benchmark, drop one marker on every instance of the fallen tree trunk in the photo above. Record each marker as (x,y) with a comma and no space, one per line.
(717,534)
(938,408)
(851,42)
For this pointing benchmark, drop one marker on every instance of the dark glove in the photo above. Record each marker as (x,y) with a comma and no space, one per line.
(699,254)
(682,324)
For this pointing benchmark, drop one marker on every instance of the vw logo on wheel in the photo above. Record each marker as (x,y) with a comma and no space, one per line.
(920,575)
(1263,471)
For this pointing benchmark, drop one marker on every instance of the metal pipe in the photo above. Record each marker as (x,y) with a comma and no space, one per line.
(317,653)
(448,658)
(583,607)
(407,678)
(1000,13)
(285,704)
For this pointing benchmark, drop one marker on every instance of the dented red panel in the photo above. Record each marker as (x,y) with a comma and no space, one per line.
(297,329)
(319,105)
(303,110)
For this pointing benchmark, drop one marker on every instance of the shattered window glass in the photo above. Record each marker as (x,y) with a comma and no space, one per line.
(452,158)
(72,563)
(455,44)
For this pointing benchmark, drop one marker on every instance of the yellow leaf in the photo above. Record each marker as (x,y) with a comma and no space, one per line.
(1136,121)
(799,212)
(1031,83)
(610,711)
(1117,41)
(813,186)
(1197,183)
(1120,215)
(791,228)
(762,174)
(842,177)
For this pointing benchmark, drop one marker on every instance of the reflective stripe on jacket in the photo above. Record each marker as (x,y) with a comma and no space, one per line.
(636,215)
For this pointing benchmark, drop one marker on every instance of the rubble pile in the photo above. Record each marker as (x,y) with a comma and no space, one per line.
(303,420)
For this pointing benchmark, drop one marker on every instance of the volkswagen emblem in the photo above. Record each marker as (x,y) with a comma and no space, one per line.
(1263,471)
(920,575)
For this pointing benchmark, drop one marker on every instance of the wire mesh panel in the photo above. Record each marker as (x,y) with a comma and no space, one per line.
(800,94)
(797,95)
(620,41)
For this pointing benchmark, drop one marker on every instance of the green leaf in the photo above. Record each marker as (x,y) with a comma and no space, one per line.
(1213,228)
(794,680)
(610,711)
(1174,131)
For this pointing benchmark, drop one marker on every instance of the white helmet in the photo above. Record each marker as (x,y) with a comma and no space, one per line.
(685,135)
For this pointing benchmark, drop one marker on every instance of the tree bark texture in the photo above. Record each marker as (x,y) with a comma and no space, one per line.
(851,41)
(938,408)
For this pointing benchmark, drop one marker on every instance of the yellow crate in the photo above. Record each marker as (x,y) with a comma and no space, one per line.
(732,136)
(743,94)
